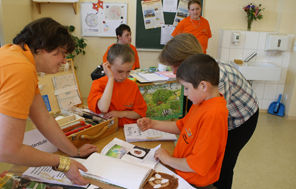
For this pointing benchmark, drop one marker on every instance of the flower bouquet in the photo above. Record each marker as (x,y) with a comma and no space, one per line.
(253,13)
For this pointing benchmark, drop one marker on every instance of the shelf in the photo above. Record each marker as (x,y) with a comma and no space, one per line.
(39,2)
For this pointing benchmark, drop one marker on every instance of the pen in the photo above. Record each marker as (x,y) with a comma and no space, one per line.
(77,130)
(73,125)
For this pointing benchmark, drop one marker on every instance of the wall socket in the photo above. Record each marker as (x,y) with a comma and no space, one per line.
(285,96)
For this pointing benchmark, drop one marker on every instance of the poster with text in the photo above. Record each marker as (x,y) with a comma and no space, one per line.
(152,14)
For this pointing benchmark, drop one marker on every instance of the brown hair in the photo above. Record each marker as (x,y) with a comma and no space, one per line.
(122,51)
(197,68)
(190,2)
(45,33)
(179,48)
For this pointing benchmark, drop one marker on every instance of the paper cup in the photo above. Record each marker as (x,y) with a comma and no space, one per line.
(161,67)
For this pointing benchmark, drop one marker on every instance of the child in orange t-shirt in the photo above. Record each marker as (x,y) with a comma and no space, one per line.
(114,95)
(203,131)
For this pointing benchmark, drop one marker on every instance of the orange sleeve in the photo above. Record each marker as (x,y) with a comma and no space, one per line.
(96,92)
(137,62)
(179,28)
(19,85)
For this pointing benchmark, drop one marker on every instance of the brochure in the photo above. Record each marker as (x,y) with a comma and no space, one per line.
(122,164)
(132,133)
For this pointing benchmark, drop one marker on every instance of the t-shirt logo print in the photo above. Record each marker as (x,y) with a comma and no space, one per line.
(187,135)
(129,106)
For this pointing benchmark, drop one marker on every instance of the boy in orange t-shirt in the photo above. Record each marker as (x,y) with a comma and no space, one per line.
(114,95)
(124,36)
(203,131)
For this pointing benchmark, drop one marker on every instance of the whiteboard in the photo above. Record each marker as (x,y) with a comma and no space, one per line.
(102,23)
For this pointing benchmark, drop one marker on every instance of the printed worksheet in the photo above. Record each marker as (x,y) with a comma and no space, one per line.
(66,90)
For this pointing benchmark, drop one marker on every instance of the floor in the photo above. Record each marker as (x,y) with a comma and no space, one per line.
(268,160)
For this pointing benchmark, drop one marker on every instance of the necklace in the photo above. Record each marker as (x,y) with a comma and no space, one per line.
(193,24)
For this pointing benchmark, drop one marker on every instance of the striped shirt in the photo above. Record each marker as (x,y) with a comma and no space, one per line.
(242,101)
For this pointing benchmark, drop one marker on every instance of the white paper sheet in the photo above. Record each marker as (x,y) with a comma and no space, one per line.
(170,5)
(132,133)
(166,33)
(48,175)
(35,139)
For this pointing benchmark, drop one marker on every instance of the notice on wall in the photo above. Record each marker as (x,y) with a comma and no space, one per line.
(166,33)
(170,5)
(152,14)
(102,19)
(182,12)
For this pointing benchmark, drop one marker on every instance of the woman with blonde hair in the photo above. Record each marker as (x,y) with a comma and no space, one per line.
(242,102)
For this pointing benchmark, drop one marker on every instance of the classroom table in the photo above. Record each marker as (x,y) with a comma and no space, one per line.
(169,145)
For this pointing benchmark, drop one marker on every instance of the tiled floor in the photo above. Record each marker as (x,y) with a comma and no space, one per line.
(268,160)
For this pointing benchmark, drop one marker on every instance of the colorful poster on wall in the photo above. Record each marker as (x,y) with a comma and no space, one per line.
(182,12)
(101,19)
(164,101)
(152,14)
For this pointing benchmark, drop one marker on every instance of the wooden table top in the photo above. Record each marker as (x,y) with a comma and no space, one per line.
(169,145)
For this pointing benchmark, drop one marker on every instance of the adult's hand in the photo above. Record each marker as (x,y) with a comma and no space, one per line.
(87,149)
(74,175)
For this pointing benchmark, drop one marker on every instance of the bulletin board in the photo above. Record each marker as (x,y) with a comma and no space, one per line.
(102,23)
(150,39)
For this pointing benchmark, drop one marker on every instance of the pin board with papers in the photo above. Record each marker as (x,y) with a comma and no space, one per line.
(101,19)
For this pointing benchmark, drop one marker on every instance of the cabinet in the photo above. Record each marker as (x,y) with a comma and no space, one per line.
(72,2)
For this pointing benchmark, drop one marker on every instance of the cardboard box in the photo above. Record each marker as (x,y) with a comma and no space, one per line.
(69,94)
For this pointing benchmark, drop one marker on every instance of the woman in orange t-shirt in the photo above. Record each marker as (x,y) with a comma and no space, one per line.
(195,24)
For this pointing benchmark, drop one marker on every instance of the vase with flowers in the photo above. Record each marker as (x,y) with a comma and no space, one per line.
(254,12)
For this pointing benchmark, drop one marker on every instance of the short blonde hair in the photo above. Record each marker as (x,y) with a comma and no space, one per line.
(122,51)
(179,48)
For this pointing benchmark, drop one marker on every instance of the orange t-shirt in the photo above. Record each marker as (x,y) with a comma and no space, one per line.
(202,32)
(126,96)
(18,81)
(202,141)
(136,63)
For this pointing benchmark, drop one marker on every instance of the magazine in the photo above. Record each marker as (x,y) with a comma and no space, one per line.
(132,133)
(11,181)
(48,175)
(121,164)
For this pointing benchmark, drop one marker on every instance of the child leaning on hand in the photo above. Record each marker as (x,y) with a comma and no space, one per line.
(114,95)
(203,131)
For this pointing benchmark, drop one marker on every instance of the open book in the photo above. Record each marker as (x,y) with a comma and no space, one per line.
(132,133)
(122,164)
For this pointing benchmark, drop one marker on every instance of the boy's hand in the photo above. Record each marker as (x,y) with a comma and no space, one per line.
(162,154)
(113,114)
(107,69)
(144,123)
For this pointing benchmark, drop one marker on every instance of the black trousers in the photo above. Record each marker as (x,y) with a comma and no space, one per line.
(237,138)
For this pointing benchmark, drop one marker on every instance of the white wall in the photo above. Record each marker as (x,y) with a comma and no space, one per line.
(251,41)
